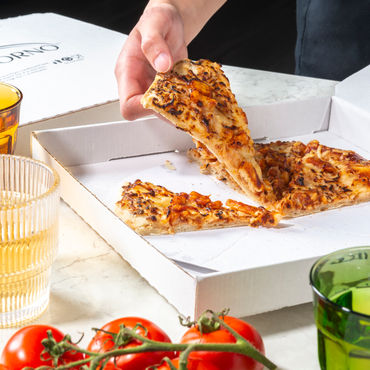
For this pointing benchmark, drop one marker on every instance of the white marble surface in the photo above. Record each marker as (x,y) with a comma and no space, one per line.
(255,87)
(92,284)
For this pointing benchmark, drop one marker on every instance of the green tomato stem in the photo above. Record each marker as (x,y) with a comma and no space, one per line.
(241,346)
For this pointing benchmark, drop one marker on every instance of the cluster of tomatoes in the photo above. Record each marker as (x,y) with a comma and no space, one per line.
(24,348)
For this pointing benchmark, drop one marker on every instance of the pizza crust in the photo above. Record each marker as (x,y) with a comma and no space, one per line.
(152,209)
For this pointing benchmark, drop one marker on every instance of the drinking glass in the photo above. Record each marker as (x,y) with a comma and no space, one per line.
(341,297)
(29,207)
(10,102)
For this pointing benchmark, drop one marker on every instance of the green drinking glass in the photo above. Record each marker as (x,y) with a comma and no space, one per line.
(341,299)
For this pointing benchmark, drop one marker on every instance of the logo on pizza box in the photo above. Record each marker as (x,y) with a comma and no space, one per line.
(12,52)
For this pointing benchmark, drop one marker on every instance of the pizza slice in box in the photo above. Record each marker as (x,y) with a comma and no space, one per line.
(152,209)
(304,178)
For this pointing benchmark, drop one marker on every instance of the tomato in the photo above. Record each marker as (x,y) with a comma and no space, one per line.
(226,360)
(24,348)
(193,364)
(102,342)
(3,367)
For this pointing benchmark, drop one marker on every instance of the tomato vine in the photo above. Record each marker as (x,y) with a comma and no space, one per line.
(54,349)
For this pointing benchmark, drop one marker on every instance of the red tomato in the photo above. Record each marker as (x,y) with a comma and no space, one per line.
(3,367)
(24,348)
(102,342)
(226,360)
(193,364)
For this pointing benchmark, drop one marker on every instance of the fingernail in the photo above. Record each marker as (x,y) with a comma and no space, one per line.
(162,63)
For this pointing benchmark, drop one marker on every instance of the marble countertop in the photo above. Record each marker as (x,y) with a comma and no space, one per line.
(255,87)
(92,284)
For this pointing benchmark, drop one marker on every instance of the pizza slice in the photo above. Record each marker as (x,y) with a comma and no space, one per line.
(324,178)
(153,209)
(304,178)
(196,97)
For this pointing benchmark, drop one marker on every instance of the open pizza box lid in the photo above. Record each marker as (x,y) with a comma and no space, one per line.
(64,68)
(249,270)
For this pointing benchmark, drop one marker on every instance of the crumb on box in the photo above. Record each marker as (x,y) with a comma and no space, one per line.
(169,165)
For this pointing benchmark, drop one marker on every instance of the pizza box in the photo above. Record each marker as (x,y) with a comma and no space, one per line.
(249,270)
(65,69)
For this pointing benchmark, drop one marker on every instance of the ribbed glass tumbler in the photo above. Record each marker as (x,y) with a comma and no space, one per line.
(29,214)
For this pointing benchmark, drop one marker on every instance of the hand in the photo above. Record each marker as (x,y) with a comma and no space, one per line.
(154,44)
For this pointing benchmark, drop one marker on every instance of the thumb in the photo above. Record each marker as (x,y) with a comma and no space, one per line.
(162,62)
(158,27)
(157,52)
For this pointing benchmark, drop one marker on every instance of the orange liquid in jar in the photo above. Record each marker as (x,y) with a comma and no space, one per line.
(9,96)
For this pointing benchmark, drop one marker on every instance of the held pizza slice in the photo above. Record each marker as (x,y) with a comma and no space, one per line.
(196,97)
(305,178)
(153,209)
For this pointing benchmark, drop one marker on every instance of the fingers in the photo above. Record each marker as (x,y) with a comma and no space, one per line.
(132,108)
(134,75)
(155,43)
(162,36)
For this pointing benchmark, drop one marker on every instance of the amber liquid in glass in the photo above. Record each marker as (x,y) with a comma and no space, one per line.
(25,264)
(9,118)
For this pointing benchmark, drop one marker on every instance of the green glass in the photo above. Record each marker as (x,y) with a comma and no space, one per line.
(341,298)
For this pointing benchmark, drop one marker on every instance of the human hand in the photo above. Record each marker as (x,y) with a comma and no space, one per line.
(154,44)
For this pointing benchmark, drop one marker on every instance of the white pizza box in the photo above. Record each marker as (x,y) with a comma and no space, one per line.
(65,69)
(249,270)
